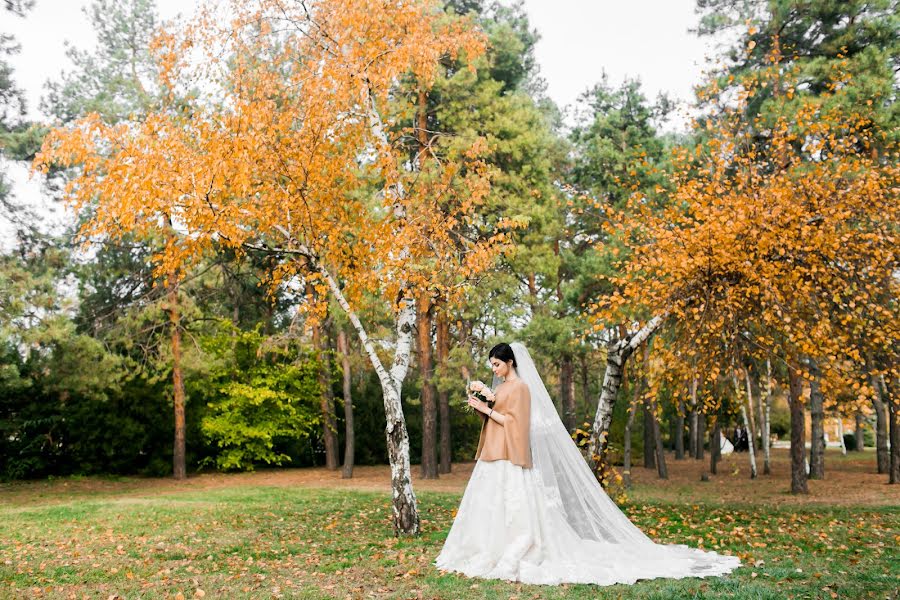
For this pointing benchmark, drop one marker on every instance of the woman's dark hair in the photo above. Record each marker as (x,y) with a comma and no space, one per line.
(503,352)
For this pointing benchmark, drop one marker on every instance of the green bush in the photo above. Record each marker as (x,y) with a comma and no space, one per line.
(259,400)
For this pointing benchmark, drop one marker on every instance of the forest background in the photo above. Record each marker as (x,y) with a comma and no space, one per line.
(742,274)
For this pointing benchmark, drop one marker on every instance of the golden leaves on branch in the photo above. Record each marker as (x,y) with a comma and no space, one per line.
(281,142)
(778,239)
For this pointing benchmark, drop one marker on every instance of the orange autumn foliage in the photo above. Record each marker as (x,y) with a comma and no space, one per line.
(280,131)
(777,240)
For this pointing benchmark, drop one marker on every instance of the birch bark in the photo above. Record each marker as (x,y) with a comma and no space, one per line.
(618,352)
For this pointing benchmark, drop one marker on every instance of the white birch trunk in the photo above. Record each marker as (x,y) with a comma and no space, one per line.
(405,510)
(750,446)
(745,405)
(406,320)
(406,515)
(753,431)
(618,351)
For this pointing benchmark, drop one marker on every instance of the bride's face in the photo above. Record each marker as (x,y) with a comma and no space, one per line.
(500,368)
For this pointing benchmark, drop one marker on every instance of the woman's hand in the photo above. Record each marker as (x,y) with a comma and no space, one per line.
(477,404)
(480,387)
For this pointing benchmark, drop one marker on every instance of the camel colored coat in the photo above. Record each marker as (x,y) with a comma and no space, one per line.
(510,440)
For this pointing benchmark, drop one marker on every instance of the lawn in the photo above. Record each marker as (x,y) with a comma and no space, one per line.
(268,535)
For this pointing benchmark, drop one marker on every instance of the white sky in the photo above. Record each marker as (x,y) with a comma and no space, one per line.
(644,39)
(647,39)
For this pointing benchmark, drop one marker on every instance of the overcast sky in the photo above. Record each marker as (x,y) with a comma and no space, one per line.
(648,39)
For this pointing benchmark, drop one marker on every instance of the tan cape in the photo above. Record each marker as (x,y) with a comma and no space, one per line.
(510,440)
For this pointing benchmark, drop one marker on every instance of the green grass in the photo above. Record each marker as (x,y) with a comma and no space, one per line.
(251,542)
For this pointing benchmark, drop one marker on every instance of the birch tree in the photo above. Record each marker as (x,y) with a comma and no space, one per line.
(289,147)
(618,351)
(746,402)
(777,246)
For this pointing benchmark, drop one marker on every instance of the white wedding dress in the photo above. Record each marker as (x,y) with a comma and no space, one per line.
(553,523)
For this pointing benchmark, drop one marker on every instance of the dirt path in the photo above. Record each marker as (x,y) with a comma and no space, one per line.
(850,480)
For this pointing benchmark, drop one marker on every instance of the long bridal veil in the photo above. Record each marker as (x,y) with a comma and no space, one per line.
(570,488)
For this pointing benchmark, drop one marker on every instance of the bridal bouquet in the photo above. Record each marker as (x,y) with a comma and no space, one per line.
(470,391)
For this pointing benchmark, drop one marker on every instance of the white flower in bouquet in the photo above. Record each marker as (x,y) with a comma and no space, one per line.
(477,389)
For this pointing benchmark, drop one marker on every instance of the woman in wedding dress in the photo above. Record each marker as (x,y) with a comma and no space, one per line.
(533,511)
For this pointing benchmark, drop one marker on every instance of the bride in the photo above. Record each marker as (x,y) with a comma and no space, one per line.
(533,511)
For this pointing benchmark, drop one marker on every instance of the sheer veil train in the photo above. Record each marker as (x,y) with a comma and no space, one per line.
(578,533)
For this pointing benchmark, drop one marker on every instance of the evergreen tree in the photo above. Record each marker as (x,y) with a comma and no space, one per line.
(119,82)
(829,43)
(12,108)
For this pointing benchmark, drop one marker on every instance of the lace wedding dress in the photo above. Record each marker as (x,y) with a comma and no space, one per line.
(553,523)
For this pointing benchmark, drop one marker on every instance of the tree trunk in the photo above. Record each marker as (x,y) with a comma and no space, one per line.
(817,423)
(672,427)
(649,435)
(859,433)
(585,383)
(429,406)
(618,351)
(443,352)
(693,434)
(405,509)
(679,432)
(626,451)
(715,447)
(349,433)
(406,513)
(326,401)
(767,424)
(747,407)
(798,434)
(840,434)
(881,427)
(753,410)
(429,467)
(759,407)
(893,403)
(751,445)
(403,501)
(701,434)
(567,392)
(179,467)
(661,468)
